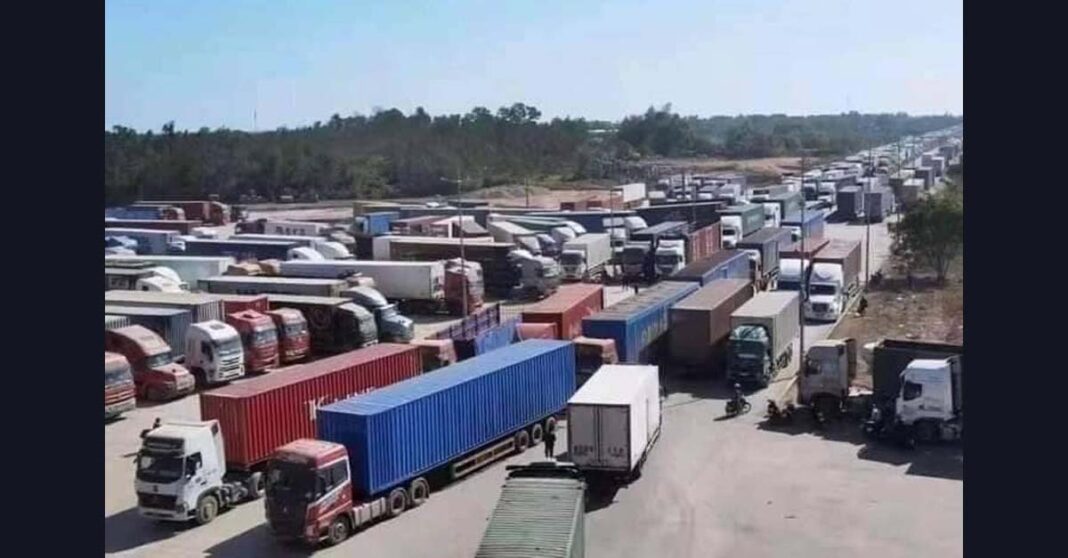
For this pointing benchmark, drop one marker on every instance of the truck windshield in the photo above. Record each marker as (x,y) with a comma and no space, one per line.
(818,289)
(264,337)
(667,259)
(290,481)
(228,346)
(293,330)
(117,375)
(570,259)
(159,360)
(789,285)
(747,350)
(152,467)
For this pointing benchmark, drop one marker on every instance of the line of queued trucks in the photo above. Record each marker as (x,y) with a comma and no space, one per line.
(341,418)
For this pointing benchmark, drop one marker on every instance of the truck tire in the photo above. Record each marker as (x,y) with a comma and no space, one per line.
(254,485)
(419,491)
(537,434)
(522,441)
(926,432)
(397,502)
(550,424)
(207,509)
(338,531)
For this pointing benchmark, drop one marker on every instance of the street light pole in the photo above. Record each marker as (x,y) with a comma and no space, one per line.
(460,226)
(804,276)
(867,219)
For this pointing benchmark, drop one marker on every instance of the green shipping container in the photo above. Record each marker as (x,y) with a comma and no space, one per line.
(540,514)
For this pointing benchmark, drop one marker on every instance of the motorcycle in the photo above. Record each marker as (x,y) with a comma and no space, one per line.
(737,406)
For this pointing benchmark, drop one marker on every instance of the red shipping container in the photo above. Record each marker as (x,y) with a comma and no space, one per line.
(567,307)
(535,331)
(260,414)
(704,242)
(239,303)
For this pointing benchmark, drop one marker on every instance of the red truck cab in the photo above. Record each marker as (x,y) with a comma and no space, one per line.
(259,338)
(294,339)
(155,374)
(309,492)
(118,385)
(435,353)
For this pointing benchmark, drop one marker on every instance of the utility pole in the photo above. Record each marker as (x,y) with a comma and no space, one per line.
(804,276)
(867,219)
(460,225)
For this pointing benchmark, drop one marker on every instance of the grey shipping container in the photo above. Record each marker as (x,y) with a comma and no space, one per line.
(705,316)
(539,516)
(850,202)
(237,284)
(204,307)
(169,323)
(767,242)
(115,322)
(777,311)
(877,204)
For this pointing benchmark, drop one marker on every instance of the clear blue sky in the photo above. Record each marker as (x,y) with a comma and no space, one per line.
(212,63)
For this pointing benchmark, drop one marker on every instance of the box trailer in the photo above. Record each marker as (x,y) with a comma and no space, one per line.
(586,257)
(725,264)
(762,335)
(540,513)
(250,285)
(613,420)
(878,203)
(395,280)
(149,241)
(169,323)
(374,223)
(259,414)
(638,323)
(424,424)
(567,307)
(850,203)
(241,249)
(703,321)
(203,307)
(191,269)
(812,224)
(763,249)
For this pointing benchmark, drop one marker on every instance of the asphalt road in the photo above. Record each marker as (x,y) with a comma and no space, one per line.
(710,487)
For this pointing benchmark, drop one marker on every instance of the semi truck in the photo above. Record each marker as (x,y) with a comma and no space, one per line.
(673,254)
(203,307)
(500,271)
(193,470)
(698,214)
(259,338)
(724,264)
(149,241)
(318,247)
(119,395)
(156,376)
(169,323)
(585,258)
(213,353)
(566,308)
(763,247)
(392,326)
(833,280)
(240,249)
(294,338)
(639,255)
(335,324)
(850,203)
(762,337)
(792,274)
(637,324)
(822,385)
(548,500)
(613,420)
(918,391)
(379,452)
(190,269)
(702,323)
(739,221)
(509,232)
(209,211)
(812,224)
(878,202)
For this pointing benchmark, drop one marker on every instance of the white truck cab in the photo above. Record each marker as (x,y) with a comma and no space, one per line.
(213,352)
(772,214)
(829,367)
(730,230)
(927,391)
(670,256)
(303,253)
(180,473)
(159,284)
(826,294)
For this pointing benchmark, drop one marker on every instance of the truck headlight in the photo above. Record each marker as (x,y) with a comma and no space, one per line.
(180,507)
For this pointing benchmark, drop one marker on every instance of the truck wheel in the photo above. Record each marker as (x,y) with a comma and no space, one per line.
(398,502)
(420,491)
(338,532)
(550,424)
(926,432)
(522,441)
(254,485)
(536,434)
(207,509)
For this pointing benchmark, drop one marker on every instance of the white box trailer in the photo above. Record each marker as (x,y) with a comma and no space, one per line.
(395,280)
(585,257)
(380,245)
(506,231)
(614,419)
(632,192)
(190,269)
(294,228)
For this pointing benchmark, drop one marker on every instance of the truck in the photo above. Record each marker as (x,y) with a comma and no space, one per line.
(566,308)
(500,271)
(763,248)
(190,269)
(203,307)
(374,223)
(240,249)
(740,221)
(294,339)
(918,391)
(213,353)
(812,224)
(833,280)
(464,287)
(878,202)
(169,323)
(194,469)
(549,500)
(335,324)
(259,338)
(697,214)
(704,317)
(156,376)
(149,241)
(585,258)
(823,384)
(637,324)
(379,450)
(163,212)
(119,392)
(613,420)
(249,285)
(630,195)
(674,253)
(293,228)
(418,286)
(639,255)
(506,231)
(793,275)
(724,264)
(594,221)
(850,204)
(762,337)
(318,247)
(140,276)
(209,211)
(539,276)
(435,353)
(184,227)
(392,326)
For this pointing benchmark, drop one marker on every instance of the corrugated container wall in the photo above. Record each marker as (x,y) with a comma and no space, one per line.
(566,308)
(705,317)
(498,336)
(637,323)
(169,323)
(537,517)
(115,322)
(410,428)
(725,264)
(260,414)
(203,306)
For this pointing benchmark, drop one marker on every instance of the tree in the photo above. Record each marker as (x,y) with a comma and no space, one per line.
(931,234)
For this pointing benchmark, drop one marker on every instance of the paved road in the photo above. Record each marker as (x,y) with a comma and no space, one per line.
(709,488)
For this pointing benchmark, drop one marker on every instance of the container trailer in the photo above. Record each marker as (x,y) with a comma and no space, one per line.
(638,323)
(725,264)
(739,221)
(566,308)
(762,337)
(500,273)
(381,449)
(473,324)
(241,249)
(190,269)
(203,307)
(763,247)
(146,212)
(639,254)
(698,214)
(251,285)
(374,223)
(335,324)
(793,276)
(674,253)
(850,204)
(169,323)
(242,425)
(833,280)
(156,375)
(119,395)
(813,224)
(613,420)
(150,241)
(317,247)
(878,203)
(702,321)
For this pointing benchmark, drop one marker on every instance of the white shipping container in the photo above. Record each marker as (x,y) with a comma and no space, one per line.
(614,418)
(505,231)
(395,280)
(190,269)
(380,245)
(294,228)
(631,192)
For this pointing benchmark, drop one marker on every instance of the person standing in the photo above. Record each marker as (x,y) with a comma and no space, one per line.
(550,441)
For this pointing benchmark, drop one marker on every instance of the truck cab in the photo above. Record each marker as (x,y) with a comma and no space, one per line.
(749,358)
(156,376)
(592,353)
(573,263)
(118,386)
(259,338)
(772,213)
(436,353)
(456,276)
(731,230)
(633,260)
(213,352)
(537,274)
(930,391)
(826,293)
(829,367)
(670,256)
(309,492)
(355,327)
(392,326)
(181,469)
(294,340)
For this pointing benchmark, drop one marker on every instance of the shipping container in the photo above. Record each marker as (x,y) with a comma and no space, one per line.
(850,203)
(750,214)
(478,321)
(191,269)
(374,223)
(812,247)
(630,193)
(592,221)
(846,253)
(704,317)
(878,203)
(813,223)
(535,330)
(249,285)
(194,210)
(149,241)
(180,226)
(697,214)
(115,322)
(261,413)
(203,307)
(725,264)
(493,338)
(567,307)
(765,244)
(411,428)
(335,324)
(638,323)
(169,323)
(240,249)
(239,303)
(537,516)
(614,419)
(395,280)
(779,314)
(499,272)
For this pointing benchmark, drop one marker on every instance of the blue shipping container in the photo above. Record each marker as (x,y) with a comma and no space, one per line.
(498,336)
(725,264)
(140,213)
(407,429)
(638,322)
(378,222)
(240,249)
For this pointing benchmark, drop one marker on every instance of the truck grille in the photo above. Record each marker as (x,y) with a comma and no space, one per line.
(156,501)
(819,307)
(286,520)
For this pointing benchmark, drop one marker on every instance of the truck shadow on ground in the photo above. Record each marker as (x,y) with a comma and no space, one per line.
(695,385)
(127,530)
(258,541)
(600,495)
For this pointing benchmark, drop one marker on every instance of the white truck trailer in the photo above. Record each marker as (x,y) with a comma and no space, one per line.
(585,258)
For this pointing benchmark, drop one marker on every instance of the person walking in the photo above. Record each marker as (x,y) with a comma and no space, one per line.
(550,441)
